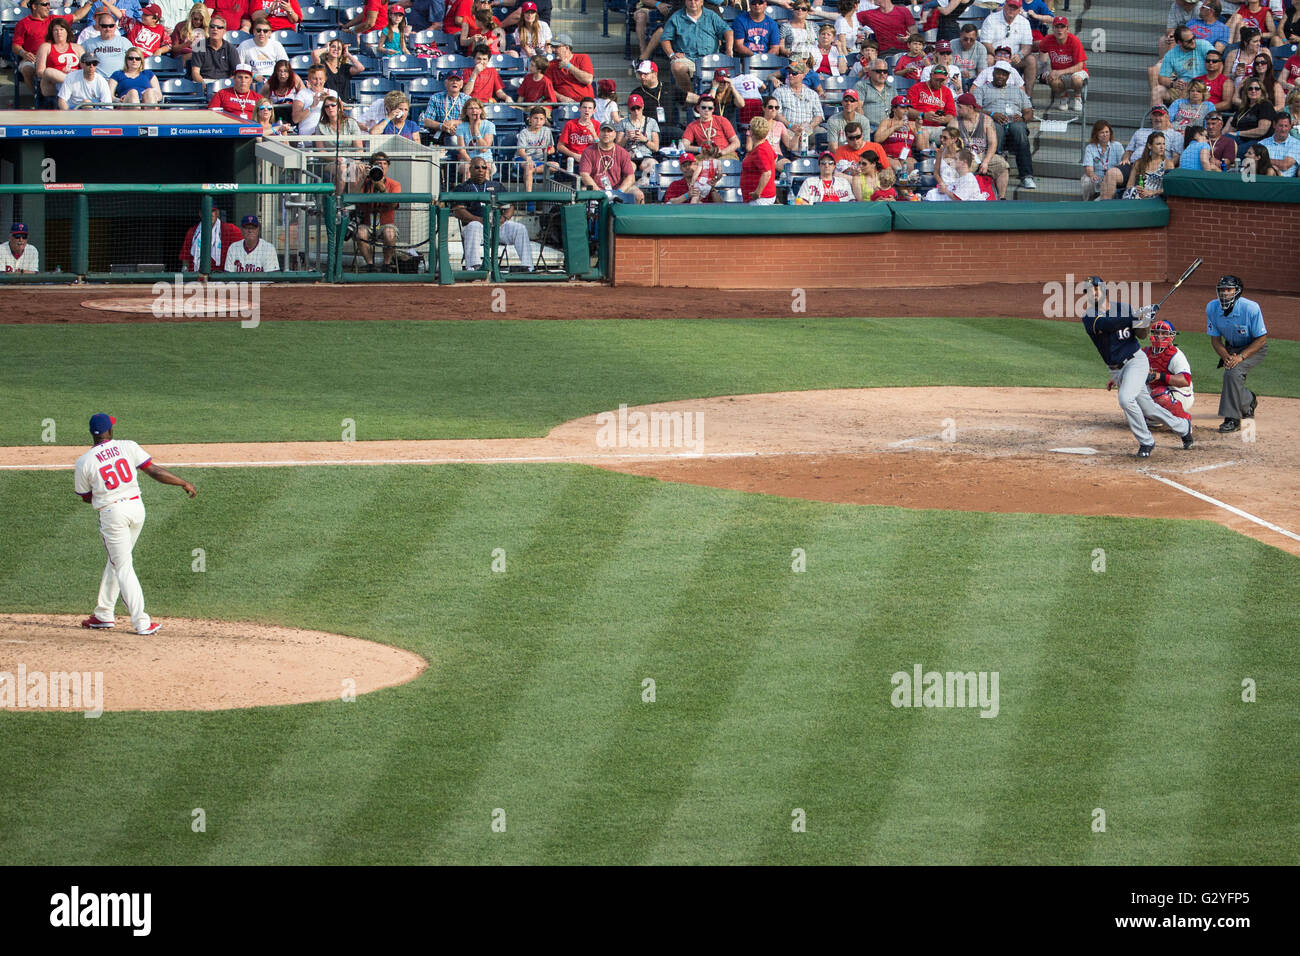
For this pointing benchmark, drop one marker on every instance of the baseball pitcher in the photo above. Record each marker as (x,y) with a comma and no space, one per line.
(105,477)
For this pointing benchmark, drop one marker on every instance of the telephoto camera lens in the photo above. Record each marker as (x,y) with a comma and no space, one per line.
(376,174)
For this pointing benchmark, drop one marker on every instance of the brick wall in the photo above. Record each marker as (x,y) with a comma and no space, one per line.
(890,259)
(1254,240)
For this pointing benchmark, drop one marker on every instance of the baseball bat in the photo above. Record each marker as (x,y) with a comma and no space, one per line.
(1181,279)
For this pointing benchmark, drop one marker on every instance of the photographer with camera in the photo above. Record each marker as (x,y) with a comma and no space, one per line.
(378,217)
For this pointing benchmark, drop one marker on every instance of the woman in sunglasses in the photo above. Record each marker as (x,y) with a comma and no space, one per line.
(1253,120)
(1241,61)
(1262,73)
(265,117)
(134,84)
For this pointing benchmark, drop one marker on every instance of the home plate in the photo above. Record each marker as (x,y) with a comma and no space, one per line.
(1075,451)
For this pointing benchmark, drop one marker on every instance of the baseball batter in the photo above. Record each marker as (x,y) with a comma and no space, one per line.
(1170,378)
(1237,335)
(254,254)
(106,478)
(1111,330)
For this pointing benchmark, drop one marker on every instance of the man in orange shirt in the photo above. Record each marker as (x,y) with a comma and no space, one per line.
(856,143)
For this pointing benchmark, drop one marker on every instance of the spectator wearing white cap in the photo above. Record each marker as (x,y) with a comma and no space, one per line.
(239,100)
(1011,110)
(85,87)
(1008,26)
(985,76)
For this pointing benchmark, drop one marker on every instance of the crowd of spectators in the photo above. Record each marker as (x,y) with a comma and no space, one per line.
(913,102)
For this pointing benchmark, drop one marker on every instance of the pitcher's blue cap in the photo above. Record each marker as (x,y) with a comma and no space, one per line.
(101,423)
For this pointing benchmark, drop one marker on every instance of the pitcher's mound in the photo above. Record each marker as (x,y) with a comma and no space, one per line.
(187,665)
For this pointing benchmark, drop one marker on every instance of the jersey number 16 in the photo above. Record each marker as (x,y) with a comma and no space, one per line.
(115,474)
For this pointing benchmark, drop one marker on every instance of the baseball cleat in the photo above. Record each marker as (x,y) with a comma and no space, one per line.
(1230,425)
(1188,440)
(1254,404)
(151,629)
(96,623)
(1144,451)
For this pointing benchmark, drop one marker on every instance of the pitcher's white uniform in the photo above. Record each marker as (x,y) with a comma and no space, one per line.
(27,262)
(108,473)
(261,259)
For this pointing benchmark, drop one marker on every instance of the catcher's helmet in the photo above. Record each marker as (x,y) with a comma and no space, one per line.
(1230,289)
(1162,335)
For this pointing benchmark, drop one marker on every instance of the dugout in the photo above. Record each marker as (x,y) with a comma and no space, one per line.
(60,149)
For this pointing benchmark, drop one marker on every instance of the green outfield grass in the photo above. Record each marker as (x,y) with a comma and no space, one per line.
(299,380)
(1118,690)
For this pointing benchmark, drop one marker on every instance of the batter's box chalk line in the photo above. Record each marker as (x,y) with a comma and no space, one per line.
(1221,504)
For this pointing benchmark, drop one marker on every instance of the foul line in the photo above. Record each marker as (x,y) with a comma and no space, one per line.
(1224,505)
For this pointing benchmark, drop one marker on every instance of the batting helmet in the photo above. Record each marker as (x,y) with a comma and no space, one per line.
(1229,289)
(1162,335)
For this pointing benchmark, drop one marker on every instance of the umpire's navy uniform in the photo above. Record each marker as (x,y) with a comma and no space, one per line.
(1112,333)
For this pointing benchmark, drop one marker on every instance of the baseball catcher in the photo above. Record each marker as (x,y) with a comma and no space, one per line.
(1112,329)
(1170,379)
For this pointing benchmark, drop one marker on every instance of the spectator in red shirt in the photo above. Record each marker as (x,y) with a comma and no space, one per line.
(482,28)
(458,13)
(226,234)
(712,129)
(570,73)
(911,63)
(536,87)
(29,34)
(238,101)
(606,165)
(758,171)
(892,24)
(373,16)
(482,82)
(148,35)
(579,133)
(281,14)
(1063,66)
(932,100)
(1218,84)
(233,11)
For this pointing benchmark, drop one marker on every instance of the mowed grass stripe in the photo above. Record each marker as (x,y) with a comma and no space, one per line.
(441,572)
(648,759)
(511,629)
(739,791)
(301,380)
(575,698)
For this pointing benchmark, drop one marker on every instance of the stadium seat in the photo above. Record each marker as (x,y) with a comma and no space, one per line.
(212,87)
(370,42)
(841,82)
(291,40)
(432,37)
(452,61)
(335,5)
(164,66)
(503,115)
(403,65)
(317,15)
(370,66)
(778,14)
(349,39)
(372,85)
(509,64)
(562,113)
(183,91)
(729,167)
(237,37)
(421,86)
(300,62)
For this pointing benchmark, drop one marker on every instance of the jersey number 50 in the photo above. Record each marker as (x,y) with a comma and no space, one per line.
(115,474)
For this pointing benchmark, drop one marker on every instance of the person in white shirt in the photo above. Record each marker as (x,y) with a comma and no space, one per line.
(106,477)
(1007,26)
(261,51)
(985,76)
(85,87)
(16,255)
(254,254)
(965,188)
(307,102)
